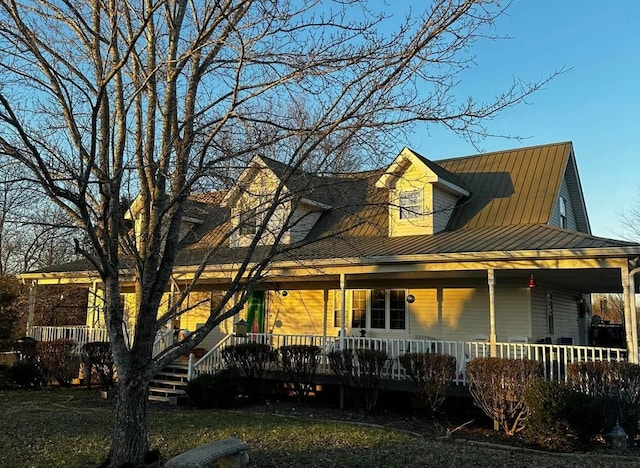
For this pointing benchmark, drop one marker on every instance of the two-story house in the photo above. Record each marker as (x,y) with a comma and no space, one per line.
(484,254)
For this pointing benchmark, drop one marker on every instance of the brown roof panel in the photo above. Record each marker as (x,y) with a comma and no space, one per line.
(509,187)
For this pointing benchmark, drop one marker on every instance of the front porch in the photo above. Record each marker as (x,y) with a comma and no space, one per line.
(554,357)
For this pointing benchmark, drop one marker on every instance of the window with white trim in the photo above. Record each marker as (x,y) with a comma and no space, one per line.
(397,309)
(563,212)
(376,309)
(337,309)
(248,222)
(410,204)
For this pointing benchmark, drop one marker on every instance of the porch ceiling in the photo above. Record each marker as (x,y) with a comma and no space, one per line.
(602,280)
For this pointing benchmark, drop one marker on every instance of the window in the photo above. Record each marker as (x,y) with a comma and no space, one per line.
(410,204)
(377,309)
(248,222)
(397,310)
(563,212)
(359,309)
(337,309)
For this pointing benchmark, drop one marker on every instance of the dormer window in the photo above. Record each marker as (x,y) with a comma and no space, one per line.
(410,204)
(248,222)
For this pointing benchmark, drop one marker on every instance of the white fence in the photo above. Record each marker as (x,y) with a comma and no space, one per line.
(82,334)
(554,358)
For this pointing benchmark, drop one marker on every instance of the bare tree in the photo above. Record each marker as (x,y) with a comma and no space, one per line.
(34,232)
(608,307)
(107,101)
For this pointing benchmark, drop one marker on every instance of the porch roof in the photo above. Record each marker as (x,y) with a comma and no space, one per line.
(530,241)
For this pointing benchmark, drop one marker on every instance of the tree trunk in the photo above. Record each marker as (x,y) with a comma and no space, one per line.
(129,443)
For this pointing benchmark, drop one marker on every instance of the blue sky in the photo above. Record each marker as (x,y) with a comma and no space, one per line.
(595,104)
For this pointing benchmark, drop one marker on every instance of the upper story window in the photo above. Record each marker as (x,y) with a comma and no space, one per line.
(563,212)
(248,222)
(410,204)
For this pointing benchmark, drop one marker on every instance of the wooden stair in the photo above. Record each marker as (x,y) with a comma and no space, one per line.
(170,385)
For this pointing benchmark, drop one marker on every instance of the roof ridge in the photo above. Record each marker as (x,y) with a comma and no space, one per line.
(507,150)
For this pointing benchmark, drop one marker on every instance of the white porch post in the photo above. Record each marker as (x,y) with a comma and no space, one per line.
(325,319)
(633,322)
(93,301)
(33,291)
(343,307)
(626,294)
(491,279)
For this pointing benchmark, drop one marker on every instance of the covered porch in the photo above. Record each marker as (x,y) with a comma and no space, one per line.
(527,304)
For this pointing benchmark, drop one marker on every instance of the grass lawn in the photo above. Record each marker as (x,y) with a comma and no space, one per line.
(71,428)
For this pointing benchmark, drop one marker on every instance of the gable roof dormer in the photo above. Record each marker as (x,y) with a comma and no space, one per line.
(422,195)
(301,199)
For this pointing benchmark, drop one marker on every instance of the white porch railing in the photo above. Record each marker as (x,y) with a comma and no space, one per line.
(554,358)
(82,334)
(164,339)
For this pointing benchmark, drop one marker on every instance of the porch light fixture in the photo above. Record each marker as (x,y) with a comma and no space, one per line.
(240,328)
(532,281)
(411,298)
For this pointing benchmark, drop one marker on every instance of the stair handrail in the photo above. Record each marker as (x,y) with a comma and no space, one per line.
(194,365)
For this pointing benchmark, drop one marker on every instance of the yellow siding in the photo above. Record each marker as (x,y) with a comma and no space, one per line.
(462,313)
(258,195)
(300,312)
(198,308)
(450,313)
(95,313)
(513,313)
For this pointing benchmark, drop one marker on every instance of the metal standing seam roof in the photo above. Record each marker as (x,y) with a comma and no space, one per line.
(518,186)
(513,194)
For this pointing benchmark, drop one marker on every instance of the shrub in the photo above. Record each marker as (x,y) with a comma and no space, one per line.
(561,418)
(57,361)
(5,376)
(497,386)
(214,390)
(251,361)
(98,359)
(431,375)
(617,384)
(27,375)
(299,364)
(362,374)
